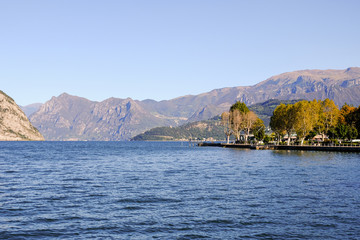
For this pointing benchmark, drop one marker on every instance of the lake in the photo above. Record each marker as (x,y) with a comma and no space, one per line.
(168,190)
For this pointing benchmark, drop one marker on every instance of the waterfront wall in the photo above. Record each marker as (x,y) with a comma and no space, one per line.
(319,148)
(283,147)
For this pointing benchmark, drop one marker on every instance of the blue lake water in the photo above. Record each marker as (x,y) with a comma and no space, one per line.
(157,190)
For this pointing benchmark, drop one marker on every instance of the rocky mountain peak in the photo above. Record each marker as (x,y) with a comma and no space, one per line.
(353,70)
(14,125)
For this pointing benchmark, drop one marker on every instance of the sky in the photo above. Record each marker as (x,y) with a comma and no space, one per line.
(163,49)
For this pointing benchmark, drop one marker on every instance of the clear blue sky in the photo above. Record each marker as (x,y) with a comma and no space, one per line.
(165,49)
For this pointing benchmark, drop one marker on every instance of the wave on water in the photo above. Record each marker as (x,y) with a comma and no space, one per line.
(140,190)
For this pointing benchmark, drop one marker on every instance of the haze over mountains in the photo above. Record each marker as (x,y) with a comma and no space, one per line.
(69,117)
(30,109)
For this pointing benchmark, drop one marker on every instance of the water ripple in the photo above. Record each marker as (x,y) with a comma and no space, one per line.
(130,190)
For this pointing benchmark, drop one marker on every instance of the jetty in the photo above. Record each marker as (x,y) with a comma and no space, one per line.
(283,147)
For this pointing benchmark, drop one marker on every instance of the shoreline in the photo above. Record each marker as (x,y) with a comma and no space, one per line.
(283,147)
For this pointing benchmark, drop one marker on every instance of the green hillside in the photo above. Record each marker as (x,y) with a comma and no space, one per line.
(210,129)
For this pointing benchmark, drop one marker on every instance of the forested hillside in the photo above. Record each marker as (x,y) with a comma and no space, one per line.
(208,130)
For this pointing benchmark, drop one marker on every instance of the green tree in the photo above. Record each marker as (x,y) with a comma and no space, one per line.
(348,122)
(290,121)
(342,130)
(241,119)
(277,121)
(283,120)
(240,106)
(352,133)
(267,139)
(353,119)
(258,129)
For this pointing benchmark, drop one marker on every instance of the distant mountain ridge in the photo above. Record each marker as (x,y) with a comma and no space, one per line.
(30,109)
(339,85)
(73,118)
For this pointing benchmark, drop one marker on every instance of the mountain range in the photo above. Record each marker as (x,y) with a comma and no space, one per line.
(69,117)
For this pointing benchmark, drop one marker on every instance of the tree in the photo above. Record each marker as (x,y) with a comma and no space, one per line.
(330,115)
(290,120)
(345,111)
(349,122)
(342,130)
(277,121)
(267,139)
(240,106)
(249,120)
(236,118)
(332,133)
(353,119)
(258,129)
(319,126)
(352,133)
(284,119)
(241,119)
(309,117)
(226,122)
(306,115)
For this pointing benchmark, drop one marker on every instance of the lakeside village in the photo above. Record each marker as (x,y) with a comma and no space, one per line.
(305,123)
